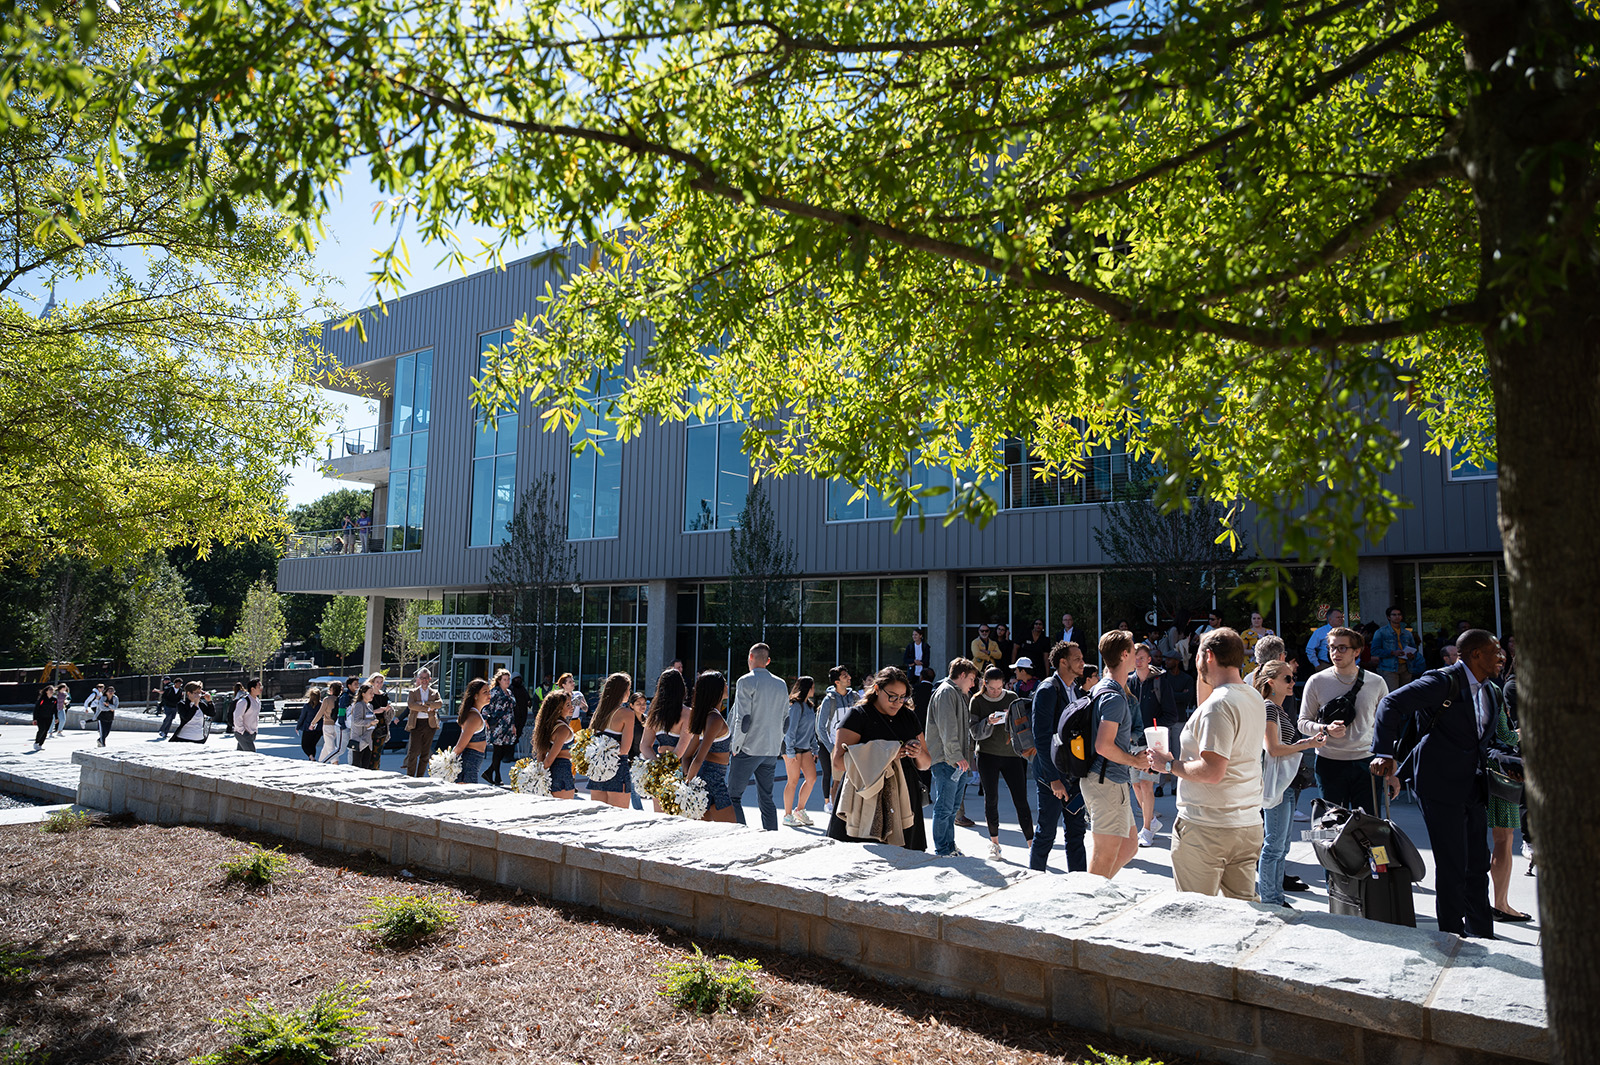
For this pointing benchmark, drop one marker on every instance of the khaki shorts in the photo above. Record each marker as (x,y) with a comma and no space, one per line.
(1110,806)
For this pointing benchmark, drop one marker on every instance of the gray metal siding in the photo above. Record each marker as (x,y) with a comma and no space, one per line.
(1446,517)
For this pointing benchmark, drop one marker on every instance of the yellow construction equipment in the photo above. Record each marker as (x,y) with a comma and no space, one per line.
(49,671)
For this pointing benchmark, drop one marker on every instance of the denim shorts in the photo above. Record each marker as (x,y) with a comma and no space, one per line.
(561,778)
(790,751)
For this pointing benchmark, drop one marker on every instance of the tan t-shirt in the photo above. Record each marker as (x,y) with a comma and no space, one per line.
(1232,722)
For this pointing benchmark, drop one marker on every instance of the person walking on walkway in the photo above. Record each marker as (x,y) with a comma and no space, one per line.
(107,715)
(171,696)
(760,702)
(1285,749)
(1216,839)
(989,718)
(950,750)
(308,725)
(362,717)
(247,716)
(1060,798)
(799,753)
(194,715)
(500,717)
(1456,712)
(328,723)
(836,702)
(1346,694)
(1114,838)
(44,715)
(63,700)
(422,721)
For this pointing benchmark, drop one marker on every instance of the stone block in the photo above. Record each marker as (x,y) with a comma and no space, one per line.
(1025,981)
(1296,1035)
(428,853)
(474,833)
(1079,998)
(1040,917)
(518,870)
(802,881)
(747,923)
(570,883)
(954,968)
(646,900)
(1177,940)
(910,896)
(885,950)
(1372,975)
(1491,998)
(524,842)
(1180,1043)
(833,939)
(794,933)
(1177,1010)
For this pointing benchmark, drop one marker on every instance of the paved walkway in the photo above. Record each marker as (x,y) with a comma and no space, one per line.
(50,774)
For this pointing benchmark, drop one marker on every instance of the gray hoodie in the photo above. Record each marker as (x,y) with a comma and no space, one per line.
(947,735)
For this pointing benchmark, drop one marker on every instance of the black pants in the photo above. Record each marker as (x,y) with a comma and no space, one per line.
(825,771)
(365,758)
(992,767)
(309,740)
(1347,784)
(43,727)
(104,721)
(1074,823)
(503,752)
(1458,832)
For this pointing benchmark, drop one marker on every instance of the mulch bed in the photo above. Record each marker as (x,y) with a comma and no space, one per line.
(140,943)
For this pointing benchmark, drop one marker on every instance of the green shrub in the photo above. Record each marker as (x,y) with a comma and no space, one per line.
(403,919)
(68,820)
(259,1034)
(12,1052)
(257,867)
(16,965)
(711,985)
(1102,1058)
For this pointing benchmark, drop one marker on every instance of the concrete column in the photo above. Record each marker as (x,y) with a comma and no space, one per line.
(944,619)
(660,633)
(372,659)
(1372,576)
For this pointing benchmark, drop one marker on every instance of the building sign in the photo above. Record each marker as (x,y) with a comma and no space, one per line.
(461,628)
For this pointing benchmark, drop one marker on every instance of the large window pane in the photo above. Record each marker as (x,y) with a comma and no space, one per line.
(596,605)
(685,651)
(419,449)
(1452,593)
(901,601)
(858,652)
(482,494)
(858,602)
(892,642)
(505,476)
(818,654)
(624,604)
(840,508)
(569,607)
(713,653)
(733,475)
(423,393)
(621,660)
(483,439)
(785,605)
(506,435)
(688,607)
(580,497)
(988,602)
(418,491)
(593,666)
(1075,594)
(404,369)
(700,479)
(608,491)
(397,508)
(400,452)
(820,603)
(1028,601)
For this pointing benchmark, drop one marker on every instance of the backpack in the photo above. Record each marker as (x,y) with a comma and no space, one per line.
(1421,723)
(1021,725)
(1072,747)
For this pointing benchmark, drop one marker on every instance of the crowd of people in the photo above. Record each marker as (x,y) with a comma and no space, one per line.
(1222,717)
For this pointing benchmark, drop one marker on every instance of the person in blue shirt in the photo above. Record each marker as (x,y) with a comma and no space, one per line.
(1395,647)
(1317,646)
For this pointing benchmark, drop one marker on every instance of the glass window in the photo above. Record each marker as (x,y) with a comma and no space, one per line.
(717,478)
(408,451)
(1459,469)
(858,602)
(900,601)
(580,496)
(688,607)
(596,605)
(624,604)
(494,462)
(819,603)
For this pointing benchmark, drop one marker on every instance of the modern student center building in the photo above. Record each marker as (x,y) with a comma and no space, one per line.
(650,520)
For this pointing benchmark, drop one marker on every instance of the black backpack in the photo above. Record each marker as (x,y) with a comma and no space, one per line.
(1421,723)
(1072,747)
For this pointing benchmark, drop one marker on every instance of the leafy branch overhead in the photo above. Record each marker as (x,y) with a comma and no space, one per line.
(848,223)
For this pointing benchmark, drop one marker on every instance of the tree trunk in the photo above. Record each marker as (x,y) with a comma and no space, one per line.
(1527,144)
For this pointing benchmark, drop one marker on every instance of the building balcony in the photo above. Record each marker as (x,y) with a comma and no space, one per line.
(359,455)
(370,540)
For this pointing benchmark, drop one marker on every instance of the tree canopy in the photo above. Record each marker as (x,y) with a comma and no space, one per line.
(163,403)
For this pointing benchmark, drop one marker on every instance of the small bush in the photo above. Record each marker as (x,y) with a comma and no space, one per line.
(15,965)
(12,1052)
(403,919)
(1102,1058)
(259,1034)
(257,867)
(711,985)
(65,821)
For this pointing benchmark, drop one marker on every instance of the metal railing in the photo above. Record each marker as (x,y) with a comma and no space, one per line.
(358,441)
(356,541)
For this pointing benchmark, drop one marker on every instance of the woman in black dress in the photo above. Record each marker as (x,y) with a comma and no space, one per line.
(885,713)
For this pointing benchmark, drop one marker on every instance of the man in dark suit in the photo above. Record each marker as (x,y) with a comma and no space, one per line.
(1454,710)
(1069,632)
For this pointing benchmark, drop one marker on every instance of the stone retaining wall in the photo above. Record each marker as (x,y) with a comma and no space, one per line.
(1222,980)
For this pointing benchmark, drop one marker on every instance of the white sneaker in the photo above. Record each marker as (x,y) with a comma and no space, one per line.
(804,818)
(1146,837)
(1156,824)
(1301,815)
(791,820)
(994,850)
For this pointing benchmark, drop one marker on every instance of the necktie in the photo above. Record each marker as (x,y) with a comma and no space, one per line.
(1485,710)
